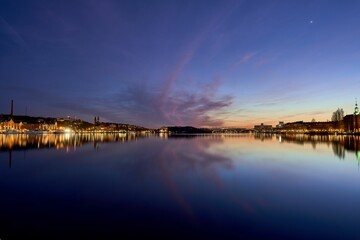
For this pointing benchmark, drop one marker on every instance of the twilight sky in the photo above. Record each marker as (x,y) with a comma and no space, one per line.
(201,63)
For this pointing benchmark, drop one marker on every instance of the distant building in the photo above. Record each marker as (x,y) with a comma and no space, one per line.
(313,127)
(280,125)
(163,130)
(96,120)
(263,128)
(11,125)
(352,121)
(349,124)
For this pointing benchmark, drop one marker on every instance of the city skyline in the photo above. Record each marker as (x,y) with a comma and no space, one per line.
(337,116)
(162,63)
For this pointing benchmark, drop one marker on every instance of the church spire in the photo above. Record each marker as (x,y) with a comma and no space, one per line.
(356,111)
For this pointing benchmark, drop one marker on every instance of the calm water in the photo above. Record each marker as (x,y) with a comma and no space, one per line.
(256,187)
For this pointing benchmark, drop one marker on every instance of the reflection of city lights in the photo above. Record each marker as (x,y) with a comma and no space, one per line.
(163,135)
(67,136)
(280,139)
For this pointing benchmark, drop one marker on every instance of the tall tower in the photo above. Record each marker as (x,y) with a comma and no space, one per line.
(356,110)
(356,116)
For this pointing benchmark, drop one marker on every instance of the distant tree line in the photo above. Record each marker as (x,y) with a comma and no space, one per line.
(338,115)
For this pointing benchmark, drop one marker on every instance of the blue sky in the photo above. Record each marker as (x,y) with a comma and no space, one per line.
(200,63)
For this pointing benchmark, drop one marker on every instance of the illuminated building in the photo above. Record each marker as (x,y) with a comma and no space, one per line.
(352,121)
(11,125)
(280,125)
(263,128)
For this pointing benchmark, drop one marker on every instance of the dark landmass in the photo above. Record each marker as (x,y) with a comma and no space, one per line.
(187,130)
(28,119)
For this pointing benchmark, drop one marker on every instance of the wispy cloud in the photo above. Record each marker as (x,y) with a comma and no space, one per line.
(243,59)
(193,47)
(139,104)
(11,32)
(176,108)
(247,57)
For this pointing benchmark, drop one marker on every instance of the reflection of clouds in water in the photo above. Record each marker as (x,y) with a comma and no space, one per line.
(175,159)
(165,161)
(192,154)
(184,156)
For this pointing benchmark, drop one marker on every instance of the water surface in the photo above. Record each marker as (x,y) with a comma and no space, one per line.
(214,186)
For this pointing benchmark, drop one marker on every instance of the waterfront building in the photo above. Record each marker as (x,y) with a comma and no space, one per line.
(10,124)
(352,121)
(163,130)
(24,124)
(280,124)
(313,127)
(263,128)
(349,124)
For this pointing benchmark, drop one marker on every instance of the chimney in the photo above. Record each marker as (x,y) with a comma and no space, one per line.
(12,109)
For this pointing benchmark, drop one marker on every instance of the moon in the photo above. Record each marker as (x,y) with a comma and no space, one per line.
(311,21)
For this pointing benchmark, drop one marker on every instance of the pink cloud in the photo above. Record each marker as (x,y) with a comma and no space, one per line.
(247,57)
(193,46)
